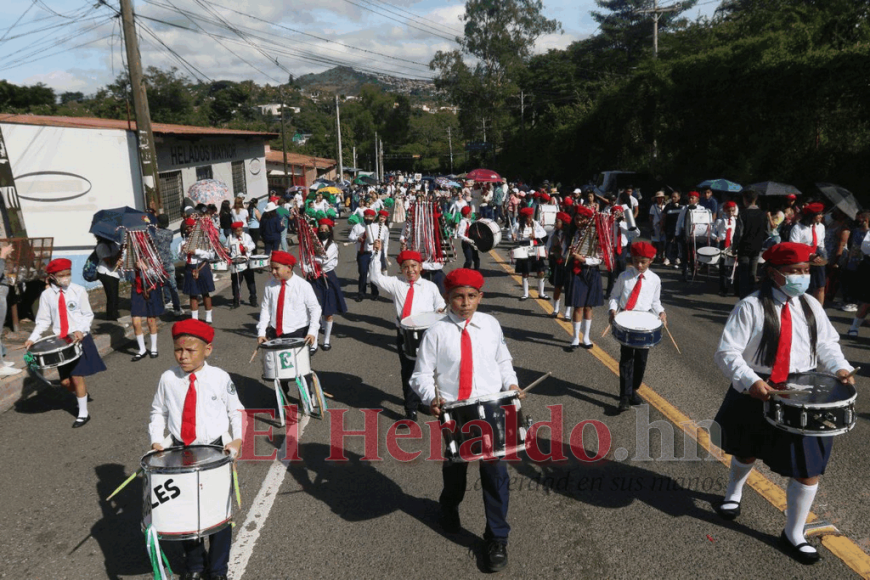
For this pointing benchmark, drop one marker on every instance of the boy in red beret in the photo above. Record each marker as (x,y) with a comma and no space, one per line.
(723,232)
(811,231)
(65,308)
(775,332)
(198,405)
(240,246)
(290,308)
(636,289)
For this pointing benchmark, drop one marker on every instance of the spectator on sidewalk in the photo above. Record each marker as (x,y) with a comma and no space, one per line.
(6,368)
(109,253)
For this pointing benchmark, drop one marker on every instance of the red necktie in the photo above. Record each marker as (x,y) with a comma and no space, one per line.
(188,414)
(409,302)
(783,351)
(279,315)
(618,241)
(815,239)
(635,292)
(728,234)
(61,311)
(242,249)
(466,365)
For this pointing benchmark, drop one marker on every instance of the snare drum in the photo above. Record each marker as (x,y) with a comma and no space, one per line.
(521,253)
(187,492)
(221,266)
(709,255)
(413,328)
(52,352)
(469,440)
(285,358)
(637,329)
(485,233)
(824,408)
(547,216)
(240,264)
(258,262)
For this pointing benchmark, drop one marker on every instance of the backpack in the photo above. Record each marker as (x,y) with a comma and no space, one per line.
(89,270)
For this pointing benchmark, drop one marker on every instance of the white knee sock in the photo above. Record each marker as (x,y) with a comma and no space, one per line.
(140,338)
(327,331)
(208,316)
(83,406)
(568,312)
(557,303)
(587,325)
(153,343)
(576,340)
(541,282)
(525,286)
(737,477)
(800,499)
(194,314)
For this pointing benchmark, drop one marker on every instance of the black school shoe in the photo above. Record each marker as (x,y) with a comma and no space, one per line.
(805,558)
(623,405)
(496,556)
(139,356)
(81,422)
(635,399)
(727,513)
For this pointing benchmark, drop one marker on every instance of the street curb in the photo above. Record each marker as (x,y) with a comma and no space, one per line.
(22,385)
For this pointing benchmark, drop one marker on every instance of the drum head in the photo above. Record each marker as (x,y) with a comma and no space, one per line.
(825,390)
(283,343)
(482,235)
(637,320)
(709,251)
(240,260)
(185,457)
(50,344)
(422,320)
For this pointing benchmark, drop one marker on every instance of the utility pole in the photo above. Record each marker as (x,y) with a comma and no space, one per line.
(656,14)
(147,150)
(523,117)
(381,160)
(283,142)
(377,171)
(338,131)
(354,162)
(450,142)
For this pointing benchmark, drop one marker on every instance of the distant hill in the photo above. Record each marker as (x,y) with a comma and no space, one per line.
(344,80)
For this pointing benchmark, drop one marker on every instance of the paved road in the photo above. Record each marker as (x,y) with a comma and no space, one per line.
(632,514)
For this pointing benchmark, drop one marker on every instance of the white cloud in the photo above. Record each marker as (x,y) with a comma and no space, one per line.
(61,80)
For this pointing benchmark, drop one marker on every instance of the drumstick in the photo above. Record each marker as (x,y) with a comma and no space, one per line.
(606,330)
(253,356)
(537,382)
(123,485)
(236,485)
(668,330)
(790,392)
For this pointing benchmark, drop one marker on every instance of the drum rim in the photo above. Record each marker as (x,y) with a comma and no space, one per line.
(808,432)
(297,341)
(195,535)
(832,405)
(58,349)
(147,468)
(484,399)
(637,330)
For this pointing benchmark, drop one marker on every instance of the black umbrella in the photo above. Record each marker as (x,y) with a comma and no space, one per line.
(843,199)
(774,188)
(107,222)
(368,180)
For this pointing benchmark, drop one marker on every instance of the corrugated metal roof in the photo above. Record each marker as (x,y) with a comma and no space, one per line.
(299,159)
(95,123)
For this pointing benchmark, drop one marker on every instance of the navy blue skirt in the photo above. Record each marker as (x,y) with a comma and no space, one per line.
(584,289)
(151,308)
(90,363)
(197,287)
(817,277)
(526,266)
(746,433)
(329,294)
(558,274)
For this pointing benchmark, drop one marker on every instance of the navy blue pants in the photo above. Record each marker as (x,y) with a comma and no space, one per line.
(471,256)
(412,399)
(436,277)
(632,365)
(496,494)
(170,289)
(218,558)
(363,261)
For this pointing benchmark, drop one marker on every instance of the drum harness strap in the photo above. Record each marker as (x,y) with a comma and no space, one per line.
(159,562)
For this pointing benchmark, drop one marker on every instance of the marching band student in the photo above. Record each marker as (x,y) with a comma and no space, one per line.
(381,231)
(327,288)
(198,405)
(411,295)
(691,236)
(469,248)
(465,356)
(240,245)
(145,302)
(360,234)
(583,289)
(770,334)
(198,280)
(620,244)
(637,288)
(529,230)
(289,308)
(723,232)
(65,307)
(811,231)
(556,248)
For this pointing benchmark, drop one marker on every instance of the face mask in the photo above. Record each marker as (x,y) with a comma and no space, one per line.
(796,284)
(322,236)
(64,281)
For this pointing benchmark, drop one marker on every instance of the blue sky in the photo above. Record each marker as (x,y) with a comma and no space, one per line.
(75,44)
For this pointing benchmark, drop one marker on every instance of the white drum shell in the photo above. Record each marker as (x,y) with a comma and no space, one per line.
(709,255)
(547,217)
(493,227)
(220,266)
(258,262)
(413,327)
(286,363)
(521,253)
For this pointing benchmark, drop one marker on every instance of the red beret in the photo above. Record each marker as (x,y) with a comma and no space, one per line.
(285,258)
(694,194)
(787,253)
(564,217)
(384,213)
(190,222)
(274,199)
(463,277)
(409,255)
(729,204)
(326,222)
(58,265)
(466,210)
(791,196)
(569,201)
(617,209)
(643,250)
(369,212)
(812,208)
(527,211)
(545,197)
(237,225)
(195,328)
(584,211)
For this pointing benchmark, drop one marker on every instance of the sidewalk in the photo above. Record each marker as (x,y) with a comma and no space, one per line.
(108,336)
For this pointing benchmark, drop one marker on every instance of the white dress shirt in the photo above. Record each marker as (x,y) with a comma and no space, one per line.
(462,230)
(300,306)
(372,232)
(427,297)
(217,405)
(78,309)
(235,245)
(197,256)
(330,260)
(440,354)
(529,232)
(322,205)
(742,335)
(802,234)
(721,227)
(648,300)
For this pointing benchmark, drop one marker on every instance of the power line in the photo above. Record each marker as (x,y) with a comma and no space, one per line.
(445,27)
(198,74)
(24,58)
(23,14)
(15,65)
(407,23)
(414,19)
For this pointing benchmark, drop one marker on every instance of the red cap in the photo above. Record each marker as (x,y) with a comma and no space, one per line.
(545,197)
(466,210)
(527,211)
(729,204)
(787,253)
(190,222)
(409,255)
(812,208)
(369,212)
(463,277)
(196,328)
(643,250)
(274,199)
(791,196)
(237,225)
(617,209)
(568,201)
(564,217)
(384,213)
(58,265)
(326,222)
(584,211)
(285,258)
(694,194)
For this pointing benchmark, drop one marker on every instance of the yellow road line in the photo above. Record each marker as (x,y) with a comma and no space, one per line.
(842,547)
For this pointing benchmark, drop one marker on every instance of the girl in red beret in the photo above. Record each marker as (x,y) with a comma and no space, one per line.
(198,279)
(583,290)
(811,231)
(328,287)
(528,231)
(240,247)
(557,248)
